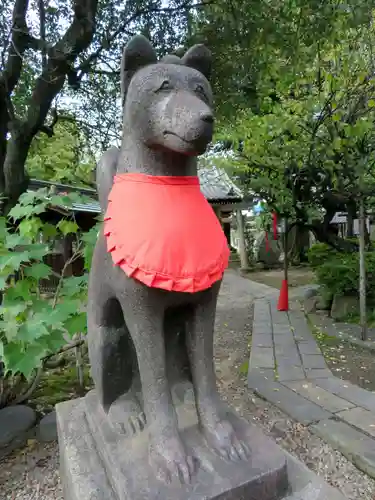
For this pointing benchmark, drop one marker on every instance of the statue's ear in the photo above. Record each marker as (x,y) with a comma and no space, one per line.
(199,58)
(137,53)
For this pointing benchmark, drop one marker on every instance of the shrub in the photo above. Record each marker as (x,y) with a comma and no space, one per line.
(319,253)
(35,327)
(339,273)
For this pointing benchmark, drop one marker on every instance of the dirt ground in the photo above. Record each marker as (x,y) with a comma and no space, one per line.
(348,361)
(297,276)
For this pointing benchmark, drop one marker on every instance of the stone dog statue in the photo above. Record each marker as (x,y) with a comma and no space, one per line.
(158,264)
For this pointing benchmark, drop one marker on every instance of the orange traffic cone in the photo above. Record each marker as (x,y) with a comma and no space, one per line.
(283,304)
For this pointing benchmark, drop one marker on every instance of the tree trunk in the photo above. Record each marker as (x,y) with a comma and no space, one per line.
(362,269)
(350,223)
(14,169)
(61,57)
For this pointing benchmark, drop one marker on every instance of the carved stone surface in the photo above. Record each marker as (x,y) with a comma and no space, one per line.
(96,463)
(143,340)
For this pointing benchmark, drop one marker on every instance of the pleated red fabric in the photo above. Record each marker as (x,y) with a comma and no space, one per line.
(162,232)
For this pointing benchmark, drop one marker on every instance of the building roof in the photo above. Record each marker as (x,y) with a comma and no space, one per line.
(216,186)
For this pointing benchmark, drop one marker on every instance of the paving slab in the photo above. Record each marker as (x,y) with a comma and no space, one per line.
(286,349)
(284,358)
(309,347)
(284,340)
(262,340)
(318,373)
(359,418)
(293,404)
(262,328)
(346,390)
(316,361)
(289,373)
(262,357)
(265,373)
(353,444)
(319,396)
(282,329)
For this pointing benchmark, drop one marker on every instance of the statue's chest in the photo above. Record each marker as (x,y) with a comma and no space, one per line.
(163,232)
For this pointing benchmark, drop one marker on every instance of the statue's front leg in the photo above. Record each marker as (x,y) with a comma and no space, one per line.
(167,454)
(217,430)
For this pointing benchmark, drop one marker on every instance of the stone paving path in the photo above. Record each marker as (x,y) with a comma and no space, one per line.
(288,369)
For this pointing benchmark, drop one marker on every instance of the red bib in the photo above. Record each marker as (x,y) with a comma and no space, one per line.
(163,232)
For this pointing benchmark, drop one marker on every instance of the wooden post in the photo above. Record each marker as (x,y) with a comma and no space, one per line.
(241,240)
(362,269)
(286,260)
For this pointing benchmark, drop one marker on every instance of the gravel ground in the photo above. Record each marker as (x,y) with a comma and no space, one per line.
(32,474)
(348,361)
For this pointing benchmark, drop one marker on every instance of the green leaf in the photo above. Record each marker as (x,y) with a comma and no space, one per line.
(76,324)
(25,361)
(31,227)
(21,289)
(38,271)
(3,282)
(9,329)
(74,284)
(14,240)
(1,349)
(21,211)
(55,318)
(13,260)
(12,309)
(55,340)
(69,307)
(38,250)
(67,226)
(3,228)
(49,230)
(32,330)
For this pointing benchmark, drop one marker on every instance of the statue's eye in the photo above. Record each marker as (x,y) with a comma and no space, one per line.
(199,89)
(166,85)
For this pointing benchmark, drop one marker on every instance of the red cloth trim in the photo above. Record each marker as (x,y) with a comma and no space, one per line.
(161,231)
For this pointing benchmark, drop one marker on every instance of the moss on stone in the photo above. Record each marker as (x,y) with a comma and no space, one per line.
(60,384)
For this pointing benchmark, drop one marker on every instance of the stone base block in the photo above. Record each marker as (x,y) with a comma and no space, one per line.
(98,463)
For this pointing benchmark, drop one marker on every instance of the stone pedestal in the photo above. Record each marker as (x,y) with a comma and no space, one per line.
(97,463)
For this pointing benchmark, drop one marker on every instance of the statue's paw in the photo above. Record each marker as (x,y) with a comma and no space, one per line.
(170,461)
(222,438)
(136,423)
(127,417)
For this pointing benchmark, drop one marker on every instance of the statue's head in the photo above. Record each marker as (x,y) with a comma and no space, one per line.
(168,103)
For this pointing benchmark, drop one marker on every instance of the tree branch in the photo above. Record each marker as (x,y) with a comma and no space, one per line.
(42,31)
(60,59)
(49,129)
(19,41)
(85,66)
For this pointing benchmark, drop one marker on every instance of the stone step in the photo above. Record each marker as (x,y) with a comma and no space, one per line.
(360,418)
(319,396)
(290,402)
(348,391)
(353,444)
